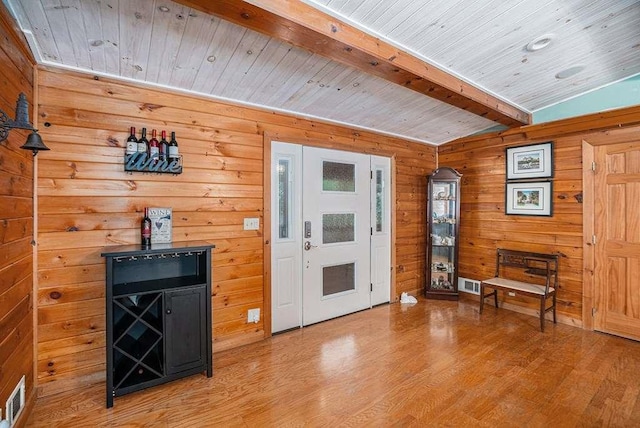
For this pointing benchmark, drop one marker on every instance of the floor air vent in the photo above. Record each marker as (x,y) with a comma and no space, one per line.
(469,285)
(15,403)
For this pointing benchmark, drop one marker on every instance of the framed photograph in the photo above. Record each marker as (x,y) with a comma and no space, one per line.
(534,161)
(530,198)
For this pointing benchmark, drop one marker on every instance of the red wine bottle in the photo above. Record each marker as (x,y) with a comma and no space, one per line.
(143,143)
(173,147)
(145,229)
(154,148)
(164,146)
(132,142)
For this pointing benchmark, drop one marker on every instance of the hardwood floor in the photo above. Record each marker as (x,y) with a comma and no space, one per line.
(435,363)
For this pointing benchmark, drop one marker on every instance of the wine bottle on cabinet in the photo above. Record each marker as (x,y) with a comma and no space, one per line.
(132,142)
(145,229)
(143,143)
(173,147)
(164,146)
(154,147)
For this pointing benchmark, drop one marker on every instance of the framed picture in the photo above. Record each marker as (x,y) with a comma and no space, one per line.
(534,161)
(530,198)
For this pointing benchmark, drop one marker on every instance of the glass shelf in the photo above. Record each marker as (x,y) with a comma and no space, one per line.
(442,247)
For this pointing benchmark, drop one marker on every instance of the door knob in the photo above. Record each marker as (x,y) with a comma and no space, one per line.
(308,246)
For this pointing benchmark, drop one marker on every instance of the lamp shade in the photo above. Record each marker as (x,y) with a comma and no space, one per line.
(34,142)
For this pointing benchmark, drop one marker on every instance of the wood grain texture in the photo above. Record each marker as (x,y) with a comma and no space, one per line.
(16,220)
(485,227)
(436,364)
(86,202)
(316,31)
(617,249)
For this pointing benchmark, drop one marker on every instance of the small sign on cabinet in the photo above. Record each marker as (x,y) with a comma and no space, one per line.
(160,225)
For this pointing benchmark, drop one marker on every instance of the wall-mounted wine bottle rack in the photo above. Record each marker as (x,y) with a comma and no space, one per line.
(141,162)
(151,158)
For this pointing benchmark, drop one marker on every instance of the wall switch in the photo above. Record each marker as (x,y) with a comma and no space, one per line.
(512,294)
(251,223)
(253,315)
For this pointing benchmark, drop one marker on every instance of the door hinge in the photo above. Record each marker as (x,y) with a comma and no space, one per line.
(593,312)
(371,287)
(593,166)
(372,231)
(371,174)
(593,239)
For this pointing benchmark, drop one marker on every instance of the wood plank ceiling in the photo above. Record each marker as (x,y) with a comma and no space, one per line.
(480,42)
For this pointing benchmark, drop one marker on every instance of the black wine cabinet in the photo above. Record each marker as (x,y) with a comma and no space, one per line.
(158,313)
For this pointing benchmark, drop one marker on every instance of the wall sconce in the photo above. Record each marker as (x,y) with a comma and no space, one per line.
(34,141)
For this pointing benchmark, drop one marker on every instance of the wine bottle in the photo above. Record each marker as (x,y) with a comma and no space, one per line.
(145,229)
(132,142)
(154,149)
(173,147)
(143,143)
(164,146)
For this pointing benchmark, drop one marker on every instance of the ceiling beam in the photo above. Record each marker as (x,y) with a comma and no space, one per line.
(301,25)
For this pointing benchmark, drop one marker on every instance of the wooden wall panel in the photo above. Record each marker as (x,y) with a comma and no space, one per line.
(485,227)
(16,222)
(87,202)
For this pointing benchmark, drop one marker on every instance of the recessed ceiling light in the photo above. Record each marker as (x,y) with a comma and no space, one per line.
(540,42)
(211,58)
(163,9)
(571,71)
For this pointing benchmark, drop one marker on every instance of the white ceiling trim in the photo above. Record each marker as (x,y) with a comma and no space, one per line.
(28,35)
(291,113)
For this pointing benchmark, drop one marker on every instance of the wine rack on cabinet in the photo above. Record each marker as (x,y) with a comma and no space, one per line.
(158,314)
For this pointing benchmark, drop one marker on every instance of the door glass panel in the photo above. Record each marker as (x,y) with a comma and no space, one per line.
(284,199)
(379,201)
(338,177)
(336,279)
(338,228)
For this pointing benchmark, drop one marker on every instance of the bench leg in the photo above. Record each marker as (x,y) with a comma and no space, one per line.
(495,296)
(481,297)
(542,312)
(554,308)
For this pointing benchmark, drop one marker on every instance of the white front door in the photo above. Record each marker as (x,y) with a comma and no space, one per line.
(336,234)
(336,205)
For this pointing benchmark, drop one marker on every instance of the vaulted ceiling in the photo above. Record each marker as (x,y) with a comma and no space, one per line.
(425,70)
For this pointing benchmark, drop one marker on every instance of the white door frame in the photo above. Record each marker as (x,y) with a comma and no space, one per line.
(273,242)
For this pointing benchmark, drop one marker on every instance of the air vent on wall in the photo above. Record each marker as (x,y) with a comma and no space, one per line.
(15,403)
(469,285)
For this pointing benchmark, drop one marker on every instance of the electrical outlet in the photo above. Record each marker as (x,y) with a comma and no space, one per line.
(251,223)
(512,294)
(253,315)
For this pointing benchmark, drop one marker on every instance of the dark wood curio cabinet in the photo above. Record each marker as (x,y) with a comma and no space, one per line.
(443,223)
(158,314)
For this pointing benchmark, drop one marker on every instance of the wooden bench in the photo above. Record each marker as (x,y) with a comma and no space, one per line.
(524,263)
